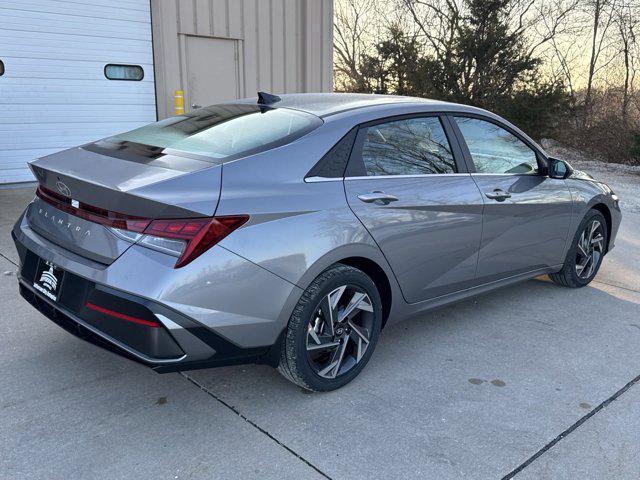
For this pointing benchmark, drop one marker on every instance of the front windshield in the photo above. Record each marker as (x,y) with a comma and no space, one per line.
(222,131)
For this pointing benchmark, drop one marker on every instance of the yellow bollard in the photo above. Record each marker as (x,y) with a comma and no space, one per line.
(178,102)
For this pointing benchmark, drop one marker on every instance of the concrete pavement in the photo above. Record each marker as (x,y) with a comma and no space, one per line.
(475,390)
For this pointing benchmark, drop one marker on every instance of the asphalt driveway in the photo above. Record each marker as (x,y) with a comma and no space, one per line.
(533,380)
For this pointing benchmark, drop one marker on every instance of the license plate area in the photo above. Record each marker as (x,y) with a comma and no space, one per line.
(48,279)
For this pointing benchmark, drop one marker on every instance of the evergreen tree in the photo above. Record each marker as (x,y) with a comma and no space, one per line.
(492,61)
(487,66)
(390,70)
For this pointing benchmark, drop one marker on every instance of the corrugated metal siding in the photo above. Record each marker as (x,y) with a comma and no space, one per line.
(284,45)
(53,94)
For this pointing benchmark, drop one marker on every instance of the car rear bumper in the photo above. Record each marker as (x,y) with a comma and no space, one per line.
(175,343)
(82,330)
(141,308)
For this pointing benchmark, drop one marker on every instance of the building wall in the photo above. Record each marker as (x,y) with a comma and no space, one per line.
(281,46)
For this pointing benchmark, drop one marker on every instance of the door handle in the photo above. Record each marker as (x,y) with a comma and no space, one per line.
(376,196)
(498,194)
(195,106)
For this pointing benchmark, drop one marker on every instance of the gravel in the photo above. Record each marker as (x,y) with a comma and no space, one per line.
(623,179)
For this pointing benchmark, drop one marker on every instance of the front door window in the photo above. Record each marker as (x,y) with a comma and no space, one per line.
(496,150)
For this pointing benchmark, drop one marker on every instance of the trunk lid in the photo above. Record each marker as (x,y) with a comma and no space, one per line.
(130,179)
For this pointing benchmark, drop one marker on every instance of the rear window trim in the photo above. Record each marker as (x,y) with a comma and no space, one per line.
(101,147)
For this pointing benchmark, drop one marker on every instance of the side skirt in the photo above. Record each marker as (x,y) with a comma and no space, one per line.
(411,310)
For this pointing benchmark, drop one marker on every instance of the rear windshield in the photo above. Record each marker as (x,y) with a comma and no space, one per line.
(223,131)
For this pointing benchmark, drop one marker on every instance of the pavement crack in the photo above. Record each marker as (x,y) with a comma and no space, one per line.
(571,429)
(617,286)
(254,424)
(8,259)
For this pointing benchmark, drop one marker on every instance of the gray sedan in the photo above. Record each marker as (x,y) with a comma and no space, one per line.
(290,230)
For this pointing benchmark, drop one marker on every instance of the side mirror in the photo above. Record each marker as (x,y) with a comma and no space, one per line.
(558,168)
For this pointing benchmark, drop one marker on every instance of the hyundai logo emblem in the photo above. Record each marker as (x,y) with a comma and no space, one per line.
(63,189)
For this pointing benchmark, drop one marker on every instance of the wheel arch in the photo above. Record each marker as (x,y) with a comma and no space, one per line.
(369,259)
(606,213)
(379,277)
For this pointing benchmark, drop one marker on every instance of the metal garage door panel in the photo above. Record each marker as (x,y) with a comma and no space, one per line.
(120,10)
(53,94)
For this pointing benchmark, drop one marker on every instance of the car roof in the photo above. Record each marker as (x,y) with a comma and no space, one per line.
(326,104)
(323,104)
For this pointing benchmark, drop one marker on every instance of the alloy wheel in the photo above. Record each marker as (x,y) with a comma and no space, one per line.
(339,331)
(590,249)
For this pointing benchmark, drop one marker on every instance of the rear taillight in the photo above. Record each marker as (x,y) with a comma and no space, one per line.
(93,214)
(186,238)
(189,238)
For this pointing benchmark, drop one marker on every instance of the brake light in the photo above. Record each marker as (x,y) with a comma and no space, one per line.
(186,238)
(189,238)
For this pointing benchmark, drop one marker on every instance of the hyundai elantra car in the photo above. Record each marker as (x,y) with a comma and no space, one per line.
(291,230)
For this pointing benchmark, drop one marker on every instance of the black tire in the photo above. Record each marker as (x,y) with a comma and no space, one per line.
(295,362)
(568,276)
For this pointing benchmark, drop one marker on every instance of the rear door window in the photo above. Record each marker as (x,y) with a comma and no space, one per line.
(413,146)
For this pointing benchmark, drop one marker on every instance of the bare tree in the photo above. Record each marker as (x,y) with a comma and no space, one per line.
(539,20)
(437,22)
(628,24)
(542,21)
(602,13)
(357,27)
(568,52)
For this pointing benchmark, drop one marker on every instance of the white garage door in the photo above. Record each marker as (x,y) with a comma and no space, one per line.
(53,92)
